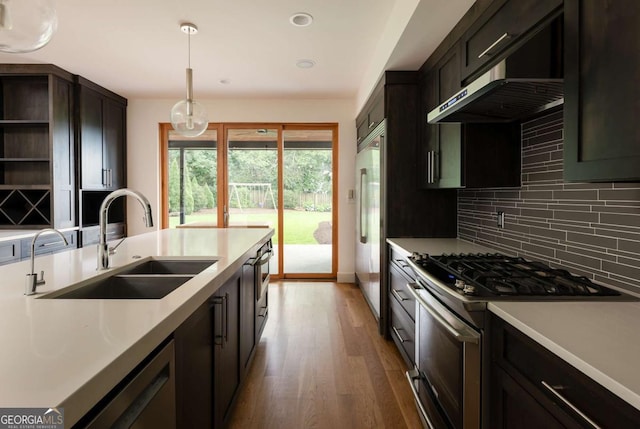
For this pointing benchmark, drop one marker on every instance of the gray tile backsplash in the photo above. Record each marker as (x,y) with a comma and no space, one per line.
(592,229)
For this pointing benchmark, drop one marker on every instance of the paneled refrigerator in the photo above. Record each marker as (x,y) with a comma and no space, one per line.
(368,221)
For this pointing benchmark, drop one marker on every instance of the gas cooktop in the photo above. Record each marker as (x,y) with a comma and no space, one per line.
(493,275)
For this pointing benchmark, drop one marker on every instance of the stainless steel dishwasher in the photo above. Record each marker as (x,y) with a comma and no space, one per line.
(147,400)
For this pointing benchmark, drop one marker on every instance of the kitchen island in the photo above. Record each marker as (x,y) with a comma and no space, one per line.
(595,337)
(71,352)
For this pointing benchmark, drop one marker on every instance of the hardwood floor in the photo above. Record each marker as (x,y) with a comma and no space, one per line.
(322,364)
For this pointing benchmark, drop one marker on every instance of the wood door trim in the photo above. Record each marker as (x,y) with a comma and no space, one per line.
(164,129)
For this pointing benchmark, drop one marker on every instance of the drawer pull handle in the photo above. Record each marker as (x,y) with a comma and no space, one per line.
(494,44)
(399,297)
(413,376)
(53,243)
(371,124)
(402,263)
(558,395)
(402,340)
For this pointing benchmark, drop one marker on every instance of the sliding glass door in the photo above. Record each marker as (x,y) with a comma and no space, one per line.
(308,200)
(280,176)
(252,180)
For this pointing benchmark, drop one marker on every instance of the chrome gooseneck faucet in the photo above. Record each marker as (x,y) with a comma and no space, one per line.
(32,277)
(104,252)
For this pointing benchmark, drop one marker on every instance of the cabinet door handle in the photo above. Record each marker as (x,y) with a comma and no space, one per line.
(371,124)
(432,166)
(402,340)
(53,243)
(558,395)
(104,177)
(363,233)
(396,293)
(436,166)
(226,318)
(505,36)
(110,176)
(428,167)
(218,300)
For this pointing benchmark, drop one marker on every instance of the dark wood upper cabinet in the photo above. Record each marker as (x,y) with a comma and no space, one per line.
(443,144)
(372,114)
(102,137)
(502,29)
(464,155)
(601,109)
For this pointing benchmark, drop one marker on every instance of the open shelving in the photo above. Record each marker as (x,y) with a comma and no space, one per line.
(36,145)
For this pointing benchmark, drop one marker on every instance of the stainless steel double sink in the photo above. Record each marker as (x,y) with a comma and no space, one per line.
(150,279)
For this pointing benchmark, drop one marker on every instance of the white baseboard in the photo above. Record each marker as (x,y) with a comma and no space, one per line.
(346,277)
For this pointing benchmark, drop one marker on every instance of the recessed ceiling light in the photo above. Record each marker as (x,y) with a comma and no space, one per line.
(301,19)
(305,64)
(224,81)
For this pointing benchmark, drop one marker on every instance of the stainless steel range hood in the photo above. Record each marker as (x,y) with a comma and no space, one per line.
(494,97)
(528,81)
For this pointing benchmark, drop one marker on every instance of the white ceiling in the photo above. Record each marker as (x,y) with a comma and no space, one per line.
(135,47)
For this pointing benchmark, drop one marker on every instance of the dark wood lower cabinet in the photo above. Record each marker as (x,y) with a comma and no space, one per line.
(214,348)
(194,370)
(514,407)
(533,388)
(226,376)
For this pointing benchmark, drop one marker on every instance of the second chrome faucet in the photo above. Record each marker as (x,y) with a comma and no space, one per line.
(32,277)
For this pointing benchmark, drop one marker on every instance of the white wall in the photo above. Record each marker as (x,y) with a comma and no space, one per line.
(143,155)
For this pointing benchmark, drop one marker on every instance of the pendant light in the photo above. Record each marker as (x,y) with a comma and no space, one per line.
(188,117)
(26,25)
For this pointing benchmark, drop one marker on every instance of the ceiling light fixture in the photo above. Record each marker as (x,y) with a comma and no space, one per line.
(188,117)
(26,25)
(305,64)
(301,19)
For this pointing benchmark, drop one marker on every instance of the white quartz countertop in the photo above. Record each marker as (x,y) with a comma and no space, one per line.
(70,353)
(438,246)
(598,338)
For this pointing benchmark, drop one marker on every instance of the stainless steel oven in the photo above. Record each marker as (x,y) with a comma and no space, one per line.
(446,378)
(261,267)
(451,293)
(261,274)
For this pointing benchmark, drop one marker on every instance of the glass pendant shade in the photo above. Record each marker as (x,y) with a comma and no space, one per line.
(26,25)
(189,118)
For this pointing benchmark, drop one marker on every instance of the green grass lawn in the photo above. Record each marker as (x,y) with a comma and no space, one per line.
(298,225)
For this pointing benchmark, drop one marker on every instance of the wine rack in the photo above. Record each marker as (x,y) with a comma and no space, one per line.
(36,133)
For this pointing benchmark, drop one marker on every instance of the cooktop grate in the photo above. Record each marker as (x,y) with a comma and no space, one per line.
(503,275)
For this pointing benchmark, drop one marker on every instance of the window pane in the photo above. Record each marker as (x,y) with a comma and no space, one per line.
(193,179)
(308,228)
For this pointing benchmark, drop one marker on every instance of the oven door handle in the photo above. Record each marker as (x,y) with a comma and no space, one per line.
(262,259)
(412,376)
(462,334)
